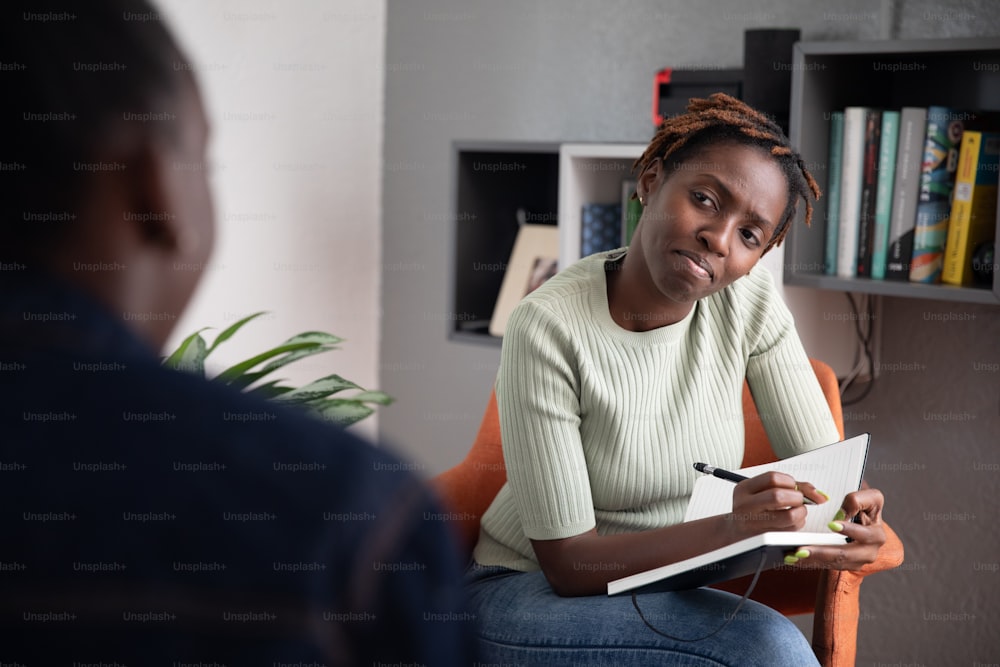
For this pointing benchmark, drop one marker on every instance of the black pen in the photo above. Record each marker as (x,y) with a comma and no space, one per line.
(732,477)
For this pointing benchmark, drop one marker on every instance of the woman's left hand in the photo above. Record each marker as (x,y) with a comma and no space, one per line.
(866,533)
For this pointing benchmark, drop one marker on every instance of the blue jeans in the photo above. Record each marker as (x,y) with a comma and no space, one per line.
(522,622)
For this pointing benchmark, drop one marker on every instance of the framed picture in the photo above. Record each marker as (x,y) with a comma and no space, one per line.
(534,260)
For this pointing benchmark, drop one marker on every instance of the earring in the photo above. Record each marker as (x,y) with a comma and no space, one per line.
(642,202)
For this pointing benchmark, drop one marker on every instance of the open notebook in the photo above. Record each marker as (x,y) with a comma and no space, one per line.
(836,469)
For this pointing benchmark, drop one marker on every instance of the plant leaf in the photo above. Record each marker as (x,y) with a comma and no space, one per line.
(228,333)
(374,396)
(342,411)
(269,390)
(193,358)
(320,388)
(294,356)
(314,337)
(175,358)
(241,382)
(325,343)
(190,356)
(233,372)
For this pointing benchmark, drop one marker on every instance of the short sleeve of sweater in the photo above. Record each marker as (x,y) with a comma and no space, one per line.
(787,394)
(538,396)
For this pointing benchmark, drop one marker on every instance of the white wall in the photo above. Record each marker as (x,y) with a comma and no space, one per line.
(294,92)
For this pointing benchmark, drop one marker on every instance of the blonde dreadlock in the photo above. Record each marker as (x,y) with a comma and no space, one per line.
(722,118)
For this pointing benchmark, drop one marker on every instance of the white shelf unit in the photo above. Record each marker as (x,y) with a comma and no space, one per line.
(589,173)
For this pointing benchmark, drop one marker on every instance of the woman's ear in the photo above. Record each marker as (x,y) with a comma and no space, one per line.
(649,180)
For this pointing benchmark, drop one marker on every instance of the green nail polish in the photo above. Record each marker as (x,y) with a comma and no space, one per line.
(802,553)
(791,560)
(835,527)
(840,515)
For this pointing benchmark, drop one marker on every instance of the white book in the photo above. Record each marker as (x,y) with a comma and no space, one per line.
(851,182)
(836,469)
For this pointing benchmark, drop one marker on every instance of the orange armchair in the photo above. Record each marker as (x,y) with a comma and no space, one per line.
(833,596)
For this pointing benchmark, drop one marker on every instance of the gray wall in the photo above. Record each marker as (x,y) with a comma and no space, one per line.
(934,416)
(581,71)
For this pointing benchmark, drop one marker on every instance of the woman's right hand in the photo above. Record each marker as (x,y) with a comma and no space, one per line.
(771,501)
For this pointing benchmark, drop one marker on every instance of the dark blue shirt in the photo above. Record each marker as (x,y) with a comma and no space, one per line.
(150,517)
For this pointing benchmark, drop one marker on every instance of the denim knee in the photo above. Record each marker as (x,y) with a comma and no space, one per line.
(523,621)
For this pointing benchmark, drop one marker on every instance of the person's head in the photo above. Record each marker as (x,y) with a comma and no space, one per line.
(104,140)
(722,119)
(719,184)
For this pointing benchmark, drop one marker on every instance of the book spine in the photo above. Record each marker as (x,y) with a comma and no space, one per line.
(600,228)
(973,211)
(937,180)
(961,208)
(869,185)
(851,175)
(834,163)
(912,126)
(883,194)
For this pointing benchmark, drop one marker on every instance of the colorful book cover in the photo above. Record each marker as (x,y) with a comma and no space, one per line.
(974,207)
(851,177)
(883,194)
(601,228)
(833,164)
(869,185)
(937,180)
(912,130)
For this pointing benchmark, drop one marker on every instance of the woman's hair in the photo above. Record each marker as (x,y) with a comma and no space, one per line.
(724,119)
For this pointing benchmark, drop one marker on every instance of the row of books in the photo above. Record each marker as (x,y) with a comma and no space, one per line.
(912,194)
(606,226)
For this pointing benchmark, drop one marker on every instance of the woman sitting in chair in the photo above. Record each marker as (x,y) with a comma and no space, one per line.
(623,370)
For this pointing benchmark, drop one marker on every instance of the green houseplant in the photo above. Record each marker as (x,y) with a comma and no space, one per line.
(325,397)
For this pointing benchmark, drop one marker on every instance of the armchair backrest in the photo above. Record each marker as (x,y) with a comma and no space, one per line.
(468,488)
(758,448)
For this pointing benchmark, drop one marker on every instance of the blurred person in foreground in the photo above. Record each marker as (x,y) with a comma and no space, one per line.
(145,519)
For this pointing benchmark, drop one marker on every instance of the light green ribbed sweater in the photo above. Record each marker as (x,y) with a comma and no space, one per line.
(601,426)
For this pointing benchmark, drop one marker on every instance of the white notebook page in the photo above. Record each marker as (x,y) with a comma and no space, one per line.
(835,469)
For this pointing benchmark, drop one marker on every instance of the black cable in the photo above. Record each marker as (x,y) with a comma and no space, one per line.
(866,339)
(866,345)
(739,605)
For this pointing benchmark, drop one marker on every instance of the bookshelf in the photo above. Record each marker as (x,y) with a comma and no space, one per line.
(552,181)
(492,180)
(828,76)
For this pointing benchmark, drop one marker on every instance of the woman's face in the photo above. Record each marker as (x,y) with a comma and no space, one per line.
(707,223)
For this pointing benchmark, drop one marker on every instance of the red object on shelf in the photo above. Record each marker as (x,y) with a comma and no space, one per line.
(661,78)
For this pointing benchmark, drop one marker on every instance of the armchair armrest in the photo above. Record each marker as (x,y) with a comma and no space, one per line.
(835,624)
